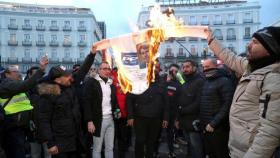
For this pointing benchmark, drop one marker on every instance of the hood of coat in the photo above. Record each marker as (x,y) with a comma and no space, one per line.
(49,89)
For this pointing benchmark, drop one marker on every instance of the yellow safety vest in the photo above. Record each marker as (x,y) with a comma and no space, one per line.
(17,104)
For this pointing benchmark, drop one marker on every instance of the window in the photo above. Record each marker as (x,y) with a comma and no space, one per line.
(230,32)
(54,54)
(192,20)
(218,19)
(248,16)
(13,21)
(67,53)
(40,53)
(218,34)
(81,23)
(168,51)
(27,53)
(26,22)
(40,37)
(12,52)
(82,37)
(53,38)
(231,47)
(66,38)
(230,19)
(13,37)
(40,22)
(193,50)
(181,51)
(205,50)
(67,23)
(247,32)
(26,37)
(204,20)
(53,23)
(82,53)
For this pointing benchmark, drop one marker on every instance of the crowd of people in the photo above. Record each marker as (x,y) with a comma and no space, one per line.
(82,114)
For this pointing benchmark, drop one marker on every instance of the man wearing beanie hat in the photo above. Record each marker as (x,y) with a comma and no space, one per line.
(59,110)
(255,111)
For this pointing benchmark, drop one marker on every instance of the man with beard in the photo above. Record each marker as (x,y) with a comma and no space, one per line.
(254,114)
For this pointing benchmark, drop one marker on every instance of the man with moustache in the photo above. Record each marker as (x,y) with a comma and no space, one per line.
(254,114)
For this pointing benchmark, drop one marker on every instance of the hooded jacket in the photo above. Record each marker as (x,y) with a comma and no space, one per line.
(254,114)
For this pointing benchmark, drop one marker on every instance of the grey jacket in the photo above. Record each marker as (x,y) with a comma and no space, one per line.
(255,111)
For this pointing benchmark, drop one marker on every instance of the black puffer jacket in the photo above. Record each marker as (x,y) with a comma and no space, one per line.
(216,99)
(189,100)
(59,119)
(153,103)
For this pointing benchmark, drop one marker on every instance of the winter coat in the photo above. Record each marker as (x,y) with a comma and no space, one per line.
(59,119)
(254,114)
(216,97)
(93,102)
(189,100)
(153,103)
(173,90)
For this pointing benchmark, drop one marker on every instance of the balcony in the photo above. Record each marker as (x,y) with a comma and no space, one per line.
(217,23)
(204,23)
(27,43)
(67,44)
(12,60)
(219,37)
(193,39)
(54,60)
(26,27)
(40,28)
(230,21)
(12,27)
(54,28)
(169,55)
(67,60)
(246,21)
(12,43)
(82,28)
(26,60)
(53,44)
(247,37)
(40,43)
(82,44)
(67,28)
(80,60)
(181,55)
(231,37)
(193,23)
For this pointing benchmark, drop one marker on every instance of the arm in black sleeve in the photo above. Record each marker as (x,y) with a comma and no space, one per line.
(166,105)
(226,93)
(13,87)
(44,121)
(130,100)
(82,72)
(88,97)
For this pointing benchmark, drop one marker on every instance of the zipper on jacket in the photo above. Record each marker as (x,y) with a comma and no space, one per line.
(267,98)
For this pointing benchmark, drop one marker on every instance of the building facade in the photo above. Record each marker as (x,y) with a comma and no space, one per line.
(29,32)
(233,23)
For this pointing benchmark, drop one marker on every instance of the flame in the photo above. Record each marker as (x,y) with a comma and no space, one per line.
(161,24)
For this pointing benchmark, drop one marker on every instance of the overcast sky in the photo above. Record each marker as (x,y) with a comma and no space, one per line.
(120,14)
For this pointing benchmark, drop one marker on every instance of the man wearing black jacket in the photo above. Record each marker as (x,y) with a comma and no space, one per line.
(11,135)
(100,107)
(188,109)
(148,112)
(59,119)
(215,103)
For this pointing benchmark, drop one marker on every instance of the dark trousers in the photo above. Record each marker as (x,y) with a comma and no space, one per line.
(14,142)
(123,136)
(216,144)
(72,154)
(146,133)
(170,136)
(195,144)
